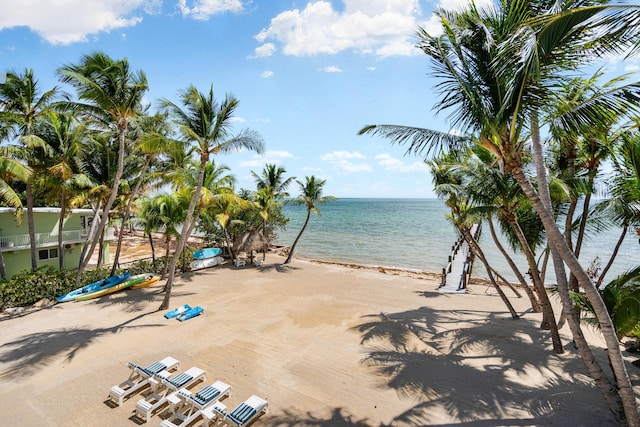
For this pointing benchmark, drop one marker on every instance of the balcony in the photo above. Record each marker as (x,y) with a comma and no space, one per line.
(21,241)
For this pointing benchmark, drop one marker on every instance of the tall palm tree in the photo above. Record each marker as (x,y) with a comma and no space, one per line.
(22,106)
(310,196)
(273,177)
(110,95)
(497,98)
(207,126)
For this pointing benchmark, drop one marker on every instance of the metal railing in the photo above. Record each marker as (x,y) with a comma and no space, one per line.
(22,240)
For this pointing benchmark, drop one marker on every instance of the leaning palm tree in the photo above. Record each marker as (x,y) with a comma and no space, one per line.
(497,98)
(110,96)
(22,107)
(310,196)
(207,126)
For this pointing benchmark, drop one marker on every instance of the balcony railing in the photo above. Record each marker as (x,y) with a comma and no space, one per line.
(20,241)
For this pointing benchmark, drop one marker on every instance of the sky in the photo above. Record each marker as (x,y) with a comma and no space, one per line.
(308,74)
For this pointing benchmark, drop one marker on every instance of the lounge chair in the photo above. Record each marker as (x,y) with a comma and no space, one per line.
(244,413)
(145,408)
(140,378)
(187,408)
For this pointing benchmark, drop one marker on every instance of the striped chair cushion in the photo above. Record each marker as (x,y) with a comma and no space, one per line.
(242,413)
(206,395)
(180,380)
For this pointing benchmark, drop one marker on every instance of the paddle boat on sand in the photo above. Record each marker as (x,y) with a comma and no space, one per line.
(138,279)
(206,253)
(94,287)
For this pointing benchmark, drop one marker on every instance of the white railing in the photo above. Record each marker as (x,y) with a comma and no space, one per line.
(42,239)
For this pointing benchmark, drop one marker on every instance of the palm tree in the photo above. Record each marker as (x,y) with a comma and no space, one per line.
(496,97)
(310,196)
(273,177)
(164,212)
(22,106)
(110,95)
(11,169)
(60,174)
(207,125)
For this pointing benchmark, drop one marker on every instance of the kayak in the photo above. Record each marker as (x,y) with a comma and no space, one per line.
(206,253)
(94,287)
(133,280)
(205,263)
(151,280)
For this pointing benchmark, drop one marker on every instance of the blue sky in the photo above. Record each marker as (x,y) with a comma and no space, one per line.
(308,74)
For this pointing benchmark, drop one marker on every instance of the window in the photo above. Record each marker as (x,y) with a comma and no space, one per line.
(47,253)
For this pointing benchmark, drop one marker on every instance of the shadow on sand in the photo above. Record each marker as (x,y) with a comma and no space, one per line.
(433,358)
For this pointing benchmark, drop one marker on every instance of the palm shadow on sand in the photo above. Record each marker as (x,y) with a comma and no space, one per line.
(474,371)
(30,353)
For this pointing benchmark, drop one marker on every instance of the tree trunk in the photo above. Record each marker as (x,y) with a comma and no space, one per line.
(621,403)
(104,219)
(184,233)
(153,249)
(32,228)
(60,228)
(535,305)
(166,260)
(3,271)
(613,255)
(127,212)
(475,247)
(295,242)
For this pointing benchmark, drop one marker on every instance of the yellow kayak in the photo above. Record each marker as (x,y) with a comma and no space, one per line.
(133,280)
(150,280)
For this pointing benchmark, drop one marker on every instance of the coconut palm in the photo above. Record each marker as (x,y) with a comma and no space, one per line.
(310,196)
(496,98)
(273,177)
(22,106)
(110,96)
(207,126)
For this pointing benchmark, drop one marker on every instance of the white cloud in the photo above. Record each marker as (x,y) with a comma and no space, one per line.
(70,21)
(202,9)
(272,157)
(433,26)
(341,160)
(632,68)
(266,74)
(264,50)
(371,68)
(396,165)
(330,69)
(381,27)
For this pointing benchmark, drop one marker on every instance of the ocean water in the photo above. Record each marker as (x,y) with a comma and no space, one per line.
(414,234)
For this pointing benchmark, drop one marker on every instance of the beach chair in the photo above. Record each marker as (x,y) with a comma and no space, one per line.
(187,408)
(243,414)
(147,407)
(140,378)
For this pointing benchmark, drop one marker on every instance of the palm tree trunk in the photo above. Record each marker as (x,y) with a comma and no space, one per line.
(166,260)
(184,234)
(295,242)
(104,219)
(127,212)
(622,403)
(613,255)
(31,225)
(60,227)
(475,247)
(3,270)
(90,235)
(153,249)
(535,305)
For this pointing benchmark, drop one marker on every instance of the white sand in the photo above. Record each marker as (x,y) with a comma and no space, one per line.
(326,345)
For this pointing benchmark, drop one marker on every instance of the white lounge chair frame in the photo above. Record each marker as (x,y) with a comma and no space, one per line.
(145,408)
(139,378)
(244,413)
(187,408)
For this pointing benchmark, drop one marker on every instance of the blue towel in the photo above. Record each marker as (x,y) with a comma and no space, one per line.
(177,311)
(195,311)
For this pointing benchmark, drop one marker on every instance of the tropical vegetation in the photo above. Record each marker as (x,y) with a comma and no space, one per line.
(507,78)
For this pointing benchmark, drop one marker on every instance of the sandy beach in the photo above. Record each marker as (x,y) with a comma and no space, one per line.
(326,345)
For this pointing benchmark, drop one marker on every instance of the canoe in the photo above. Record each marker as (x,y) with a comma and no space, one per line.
(206,253)
(94,287)
(151,280)
(133,280)
(205,263)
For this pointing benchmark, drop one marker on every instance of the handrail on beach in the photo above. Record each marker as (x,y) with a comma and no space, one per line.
(460,250)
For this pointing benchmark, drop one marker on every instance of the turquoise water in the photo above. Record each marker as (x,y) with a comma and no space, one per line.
(410,234)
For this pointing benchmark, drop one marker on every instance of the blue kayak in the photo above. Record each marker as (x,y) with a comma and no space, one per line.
(206,253)
(94,287)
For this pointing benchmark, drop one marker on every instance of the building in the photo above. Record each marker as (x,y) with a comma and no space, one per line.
(15,244)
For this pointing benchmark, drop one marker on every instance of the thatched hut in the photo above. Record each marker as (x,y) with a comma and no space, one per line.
(250,242)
